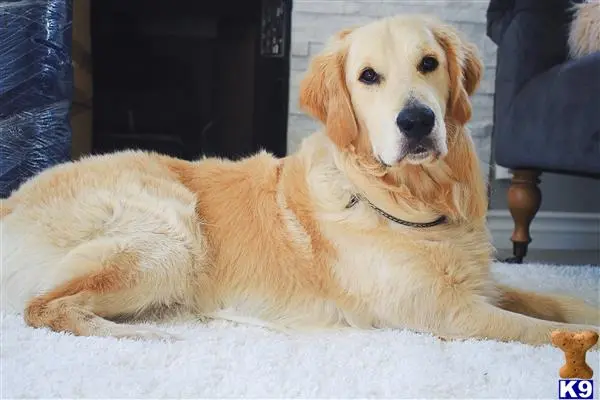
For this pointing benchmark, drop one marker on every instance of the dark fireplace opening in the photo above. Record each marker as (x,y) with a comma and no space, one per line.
(189,77)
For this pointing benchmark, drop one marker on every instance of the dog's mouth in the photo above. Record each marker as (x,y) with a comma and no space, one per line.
(420,152)
(421,157)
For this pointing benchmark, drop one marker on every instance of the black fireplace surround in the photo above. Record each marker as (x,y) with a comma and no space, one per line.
(191,77)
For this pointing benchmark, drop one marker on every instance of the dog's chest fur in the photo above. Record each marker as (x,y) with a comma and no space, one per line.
(387,273)
(398,277)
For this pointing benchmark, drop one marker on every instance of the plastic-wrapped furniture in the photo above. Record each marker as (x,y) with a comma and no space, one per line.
(35,88)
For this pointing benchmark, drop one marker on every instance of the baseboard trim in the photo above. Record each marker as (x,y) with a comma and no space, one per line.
(550,230)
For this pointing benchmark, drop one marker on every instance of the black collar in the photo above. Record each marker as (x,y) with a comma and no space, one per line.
(356,198)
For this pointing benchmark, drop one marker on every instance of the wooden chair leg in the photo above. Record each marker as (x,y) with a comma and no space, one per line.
(524,200)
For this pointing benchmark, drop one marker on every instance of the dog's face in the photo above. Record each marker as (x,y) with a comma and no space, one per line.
(391,88)
(398,82)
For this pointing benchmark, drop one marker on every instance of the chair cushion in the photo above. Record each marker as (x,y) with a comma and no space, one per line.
(553,122)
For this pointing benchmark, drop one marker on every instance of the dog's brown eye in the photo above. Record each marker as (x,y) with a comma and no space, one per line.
(369,76)
(428,64)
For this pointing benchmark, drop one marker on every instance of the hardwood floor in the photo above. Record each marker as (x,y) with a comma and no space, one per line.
(565,257)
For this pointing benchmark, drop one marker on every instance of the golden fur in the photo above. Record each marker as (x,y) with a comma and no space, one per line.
(584,31)
(130,235)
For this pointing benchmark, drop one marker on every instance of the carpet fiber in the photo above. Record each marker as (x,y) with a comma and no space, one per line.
(224,360)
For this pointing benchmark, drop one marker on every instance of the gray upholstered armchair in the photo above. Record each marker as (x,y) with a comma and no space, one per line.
(546,106)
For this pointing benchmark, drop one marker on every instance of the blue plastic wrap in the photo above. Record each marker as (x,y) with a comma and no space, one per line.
(36,81)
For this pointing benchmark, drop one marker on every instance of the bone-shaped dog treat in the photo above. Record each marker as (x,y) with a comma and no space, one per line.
(575,345)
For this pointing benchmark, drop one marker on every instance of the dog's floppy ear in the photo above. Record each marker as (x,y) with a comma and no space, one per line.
(465,69)
(325,96)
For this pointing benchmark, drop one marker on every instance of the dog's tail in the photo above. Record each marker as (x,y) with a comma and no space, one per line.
(547,306)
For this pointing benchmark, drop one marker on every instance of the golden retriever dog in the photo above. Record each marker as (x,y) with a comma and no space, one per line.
(378,221)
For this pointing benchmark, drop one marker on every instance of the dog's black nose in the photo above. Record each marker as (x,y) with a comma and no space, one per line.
(416,121)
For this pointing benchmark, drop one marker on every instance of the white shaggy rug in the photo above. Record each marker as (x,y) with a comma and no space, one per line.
(224,360)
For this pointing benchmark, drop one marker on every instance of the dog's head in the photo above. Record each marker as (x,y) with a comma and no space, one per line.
(391,89)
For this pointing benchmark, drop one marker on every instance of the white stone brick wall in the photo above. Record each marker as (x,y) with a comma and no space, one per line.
(314,21)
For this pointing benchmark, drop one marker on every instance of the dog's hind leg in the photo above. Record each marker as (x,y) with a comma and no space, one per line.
(103,290)
(547,306)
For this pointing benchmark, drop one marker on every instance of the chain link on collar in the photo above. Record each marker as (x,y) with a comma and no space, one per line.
(355,198)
